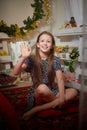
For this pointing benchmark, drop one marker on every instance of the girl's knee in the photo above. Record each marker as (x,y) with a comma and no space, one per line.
(41,89)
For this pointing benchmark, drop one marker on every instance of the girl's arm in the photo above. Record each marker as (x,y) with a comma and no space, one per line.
(60,82)
(20,66)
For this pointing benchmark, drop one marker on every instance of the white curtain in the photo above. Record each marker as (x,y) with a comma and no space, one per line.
(74,8)
(15,51)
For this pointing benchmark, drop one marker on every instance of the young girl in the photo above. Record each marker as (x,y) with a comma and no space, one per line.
(44,68)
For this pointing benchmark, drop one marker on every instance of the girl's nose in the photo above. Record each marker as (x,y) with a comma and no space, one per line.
(45,42)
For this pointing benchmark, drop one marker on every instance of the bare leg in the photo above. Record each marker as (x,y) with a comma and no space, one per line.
(69,94)
(36,109)
(43,95)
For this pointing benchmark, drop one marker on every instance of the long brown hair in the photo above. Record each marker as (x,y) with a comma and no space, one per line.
(38,64)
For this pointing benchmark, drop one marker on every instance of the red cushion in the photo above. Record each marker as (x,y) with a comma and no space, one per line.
(8,113)
(58,112)
(73,109)
(50,112)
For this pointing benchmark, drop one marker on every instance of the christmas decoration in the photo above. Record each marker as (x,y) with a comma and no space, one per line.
(73,22)
(30,23)
(74,54)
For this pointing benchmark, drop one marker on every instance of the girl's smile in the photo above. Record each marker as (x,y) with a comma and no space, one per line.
(45,43)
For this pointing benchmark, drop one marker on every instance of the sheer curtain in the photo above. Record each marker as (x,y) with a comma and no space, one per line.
(74,8)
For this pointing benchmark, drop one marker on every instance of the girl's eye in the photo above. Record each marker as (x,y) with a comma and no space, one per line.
(45,41)
(42,40)
(49,41)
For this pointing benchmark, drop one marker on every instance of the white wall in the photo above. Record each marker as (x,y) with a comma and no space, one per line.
(15,11)
(58,15)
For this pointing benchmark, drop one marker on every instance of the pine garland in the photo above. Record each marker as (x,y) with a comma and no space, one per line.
(29,24)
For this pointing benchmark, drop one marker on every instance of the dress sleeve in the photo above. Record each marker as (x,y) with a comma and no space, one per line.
(57,64)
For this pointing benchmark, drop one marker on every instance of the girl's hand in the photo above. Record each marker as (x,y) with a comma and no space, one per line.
(58,102)
(25,51)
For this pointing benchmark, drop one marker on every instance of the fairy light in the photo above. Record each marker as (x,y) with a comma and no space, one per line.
(47,9)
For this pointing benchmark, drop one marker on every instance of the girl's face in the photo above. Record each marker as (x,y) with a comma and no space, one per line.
(45,43)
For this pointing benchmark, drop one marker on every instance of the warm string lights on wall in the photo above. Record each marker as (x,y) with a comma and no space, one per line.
(47,9)
(49,5)
(41,9)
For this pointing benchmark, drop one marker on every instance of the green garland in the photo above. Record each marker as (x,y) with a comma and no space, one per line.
(29,24)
